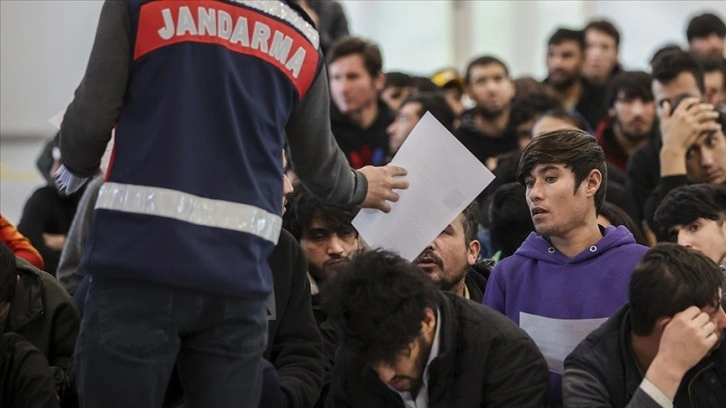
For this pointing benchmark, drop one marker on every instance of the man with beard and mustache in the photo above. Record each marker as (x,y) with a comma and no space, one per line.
(484,128)
(631,117)
(326,236)
(407,344)
(451,260)
(662,349)
(565,60)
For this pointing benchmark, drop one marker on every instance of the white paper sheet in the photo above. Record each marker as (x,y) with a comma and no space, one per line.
(556,338)
(444,177)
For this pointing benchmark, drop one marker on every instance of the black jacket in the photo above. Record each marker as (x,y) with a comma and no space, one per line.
(25,379)
(294,345)
(483,146)
(476,280)
(43,313)
(48,211)
(602,372)
(362,146)
(643,173)
(484,360)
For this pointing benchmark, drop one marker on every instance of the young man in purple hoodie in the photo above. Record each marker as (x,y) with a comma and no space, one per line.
(572,274)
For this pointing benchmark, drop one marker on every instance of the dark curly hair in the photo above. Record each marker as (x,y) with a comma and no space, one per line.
(378,302)
(669,279)
(303,208)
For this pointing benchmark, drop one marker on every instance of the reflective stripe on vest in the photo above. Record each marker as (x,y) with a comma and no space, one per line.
(164,202)
(285,12)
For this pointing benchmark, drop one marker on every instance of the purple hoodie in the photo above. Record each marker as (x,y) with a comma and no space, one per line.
(541,281)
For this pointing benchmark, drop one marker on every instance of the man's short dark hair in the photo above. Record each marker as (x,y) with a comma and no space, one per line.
(398,79)
(606,27)
(303,208)
(378,302)
(685,204)
(633,85)
(575,149)
(527,106)
(434,102)
(566,34)
(510,219)
(704,25)
(669,65)
(471,221)
(348,45)
(563,114)
(710,64)
(8,274)
(482,61)
(425,84)
(669,279)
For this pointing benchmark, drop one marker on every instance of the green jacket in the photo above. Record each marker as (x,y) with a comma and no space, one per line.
(43,313)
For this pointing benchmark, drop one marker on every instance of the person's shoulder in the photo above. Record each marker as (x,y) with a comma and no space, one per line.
(476,317)
(44,193)
(600,352)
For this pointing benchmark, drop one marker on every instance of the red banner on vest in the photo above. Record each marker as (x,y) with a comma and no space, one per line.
(241,30)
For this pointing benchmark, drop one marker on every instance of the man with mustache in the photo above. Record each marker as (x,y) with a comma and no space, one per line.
(572,274)
(451,259)
(663,348)
(326,236)
(631,117)
(407,344)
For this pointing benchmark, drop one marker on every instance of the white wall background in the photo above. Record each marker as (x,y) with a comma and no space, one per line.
(44,45)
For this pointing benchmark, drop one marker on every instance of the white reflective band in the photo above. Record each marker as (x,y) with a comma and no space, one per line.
(164,202)
(283,11)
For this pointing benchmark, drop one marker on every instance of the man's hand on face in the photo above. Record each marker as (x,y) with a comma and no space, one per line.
(687,338)
(382,181)
(681,127)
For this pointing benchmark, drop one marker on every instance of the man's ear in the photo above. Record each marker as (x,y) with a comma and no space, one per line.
(593,182)
(473,252)
(428,325)
(661,324)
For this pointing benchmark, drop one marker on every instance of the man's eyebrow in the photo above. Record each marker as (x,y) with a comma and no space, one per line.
(547,168)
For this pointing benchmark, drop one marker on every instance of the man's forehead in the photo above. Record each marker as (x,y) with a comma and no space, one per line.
(565,46)
(683,84)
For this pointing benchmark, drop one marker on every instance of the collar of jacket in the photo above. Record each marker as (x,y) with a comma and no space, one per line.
(632,374)
(27,303)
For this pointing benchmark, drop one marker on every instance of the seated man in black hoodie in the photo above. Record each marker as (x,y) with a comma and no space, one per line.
(406,343)
(41,311)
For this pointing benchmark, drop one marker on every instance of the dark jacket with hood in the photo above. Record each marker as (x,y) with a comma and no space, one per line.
(362,147)
(25,380)
(484,361)
(43,313)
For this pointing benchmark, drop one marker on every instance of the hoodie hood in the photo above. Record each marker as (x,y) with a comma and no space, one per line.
(538,248)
